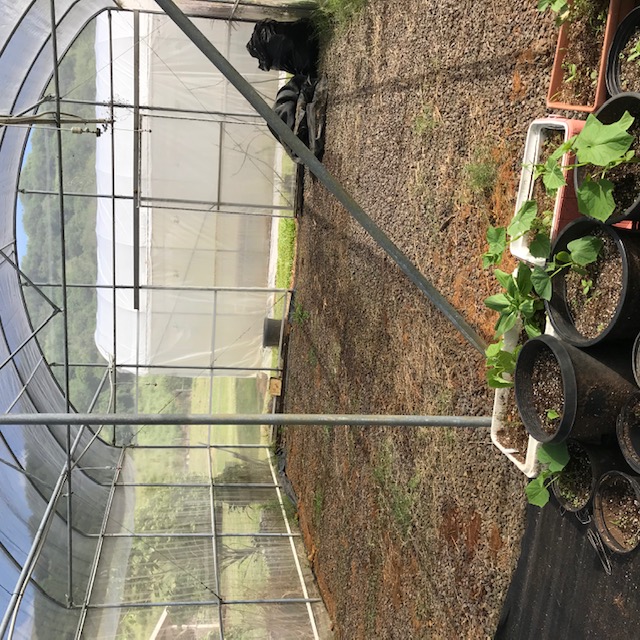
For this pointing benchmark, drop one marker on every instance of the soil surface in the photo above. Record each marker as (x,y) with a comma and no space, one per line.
(621,512)
(414,532)
(575,482)
(548,392)
(592,298)
(513,435)
(630,69)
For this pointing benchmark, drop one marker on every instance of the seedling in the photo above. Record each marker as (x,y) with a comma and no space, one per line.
(634,55)
(552,414)
(581,252)
(586,284)
(571,71)
(518,301)
(554,457)
(499,364)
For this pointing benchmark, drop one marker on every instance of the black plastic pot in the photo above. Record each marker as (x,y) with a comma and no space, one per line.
(601,459)
(625,323)
(605,521)
(623,33)
(271,332)
(611,111)
(628,430)
(596,384)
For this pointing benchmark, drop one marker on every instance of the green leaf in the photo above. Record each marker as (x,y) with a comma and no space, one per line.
(505,279)
(540,246)
(563,257)
(506,322)
(562,149)
(496,239)
(498,302)
(595,199)
(521,222)
(537,494)
(523,279)
(600,144)
(496,381)
(555,456)
(532,329)
(528,307)
(552,414)
(553,178)
(494,349)
(585,250)
(541,283)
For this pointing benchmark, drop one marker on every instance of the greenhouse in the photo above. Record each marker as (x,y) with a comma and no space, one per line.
(142,196)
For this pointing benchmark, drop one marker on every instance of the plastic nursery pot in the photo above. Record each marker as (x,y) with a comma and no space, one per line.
(566,206)
(616,511)
(623,34)
(618,9)
(628,428)
(576,483)
(611,111)
(593,390)
(271,332)
(625,323)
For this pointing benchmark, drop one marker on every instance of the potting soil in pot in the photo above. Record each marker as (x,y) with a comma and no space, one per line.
(548,392)
(582,58)
(630,69)
(553,138)
(574,483)
(592,299)
(621,511)
(512,434)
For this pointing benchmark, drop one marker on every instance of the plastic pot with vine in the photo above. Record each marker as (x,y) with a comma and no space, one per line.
(626,176)
(562,391)
(616,510)
(574,485)
(601,302)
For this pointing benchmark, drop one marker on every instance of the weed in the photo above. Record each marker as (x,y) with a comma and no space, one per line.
(426,121)
(399,499)
(313,357)
(481,173)
(300,314)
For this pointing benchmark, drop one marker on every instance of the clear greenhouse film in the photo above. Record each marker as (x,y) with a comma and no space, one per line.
(208,192)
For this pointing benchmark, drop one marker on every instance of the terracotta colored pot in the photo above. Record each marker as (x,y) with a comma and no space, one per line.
(618,10)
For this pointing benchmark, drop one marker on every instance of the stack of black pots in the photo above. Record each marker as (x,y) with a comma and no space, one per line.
(600,416)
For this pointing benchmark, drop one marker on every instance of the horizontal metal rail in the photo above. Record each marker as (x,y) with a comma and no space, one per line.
(312,419)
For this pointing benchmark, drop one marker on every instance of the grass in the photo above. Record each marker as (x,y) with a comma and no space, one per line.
(426,121)
(332,15)
(482,172)
(318,503)
(396,497)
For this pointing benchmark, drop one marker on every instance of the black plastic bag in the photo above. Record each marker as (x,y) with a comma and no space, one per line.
(287,46)
(301,105)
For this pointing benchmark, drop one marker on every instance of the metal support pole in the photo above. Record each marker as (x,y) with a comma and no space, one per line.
(318,169)
(136,160)
(63,273)
(92,419)
(25,342)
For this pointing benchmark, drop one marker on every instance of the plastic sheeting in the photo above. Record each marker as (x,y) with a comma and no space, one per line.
(186,160)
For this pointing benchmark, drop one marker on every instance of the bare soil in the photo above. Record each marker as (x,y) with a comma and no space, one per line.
(621,512)
(412,533)
(548,392)
(630,69)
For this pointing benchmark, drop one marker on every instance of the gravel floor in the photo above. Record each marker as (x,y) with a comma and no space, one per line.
(415,532)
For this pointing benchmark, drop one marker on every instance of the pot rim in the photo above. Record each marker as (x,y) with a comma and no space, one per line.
(601,525)
(559,315)
(524,388)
